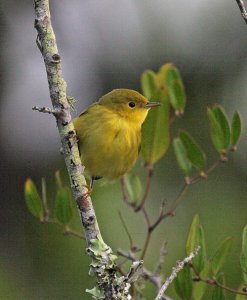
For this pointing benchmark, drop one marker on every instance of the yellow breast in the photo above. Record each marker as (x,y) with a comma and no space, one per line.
(108,144)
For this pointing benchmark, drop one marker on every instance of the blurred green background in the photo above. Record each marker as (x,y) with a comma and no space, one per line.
(105,45)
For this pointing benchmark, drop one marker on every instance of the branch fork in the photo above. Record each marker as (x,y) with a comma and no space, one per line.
(46,110)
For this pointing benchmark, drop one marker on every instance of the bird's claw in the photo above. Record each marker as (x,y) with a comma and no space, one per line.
(89,190)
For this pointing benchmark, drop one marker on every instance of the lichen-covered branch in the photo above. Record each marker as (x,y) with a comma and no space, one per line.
(153,277)
(109,286)
(61,110)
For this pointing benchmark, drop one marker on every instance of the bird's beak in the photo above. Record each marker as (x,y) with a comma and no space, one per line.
(152,104)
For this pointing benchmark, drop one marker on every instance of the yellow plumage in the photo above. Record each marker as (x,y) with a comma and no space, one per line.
(109,133)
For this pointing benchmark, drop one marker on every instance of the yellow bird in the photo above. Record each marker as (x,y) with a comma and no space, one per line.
(109,133)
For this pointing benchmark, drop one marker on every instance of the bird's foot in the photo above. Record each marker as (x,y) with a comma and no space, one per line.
(89,190)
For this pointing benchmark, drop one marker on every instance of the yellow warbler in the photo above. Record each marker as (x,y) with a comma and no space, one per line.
(109,133)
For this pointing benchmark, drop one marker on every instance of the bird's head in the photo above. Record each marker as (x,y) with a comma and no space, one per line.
(128,104)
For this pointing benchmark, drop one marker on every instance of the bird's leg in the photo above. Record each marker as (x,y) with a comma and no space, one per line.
(91,183)
(89,189)
(93,178)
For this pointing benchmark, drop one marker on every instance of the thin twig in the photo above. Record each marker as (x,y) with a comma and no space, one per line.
(216,283)
(148,235)
(173,208)
(213,166)
(242,9)
(126,229)
(125,193)
(146,243)
(135,272)
(161,262)
(146,274)
(69,231)
(179,266)
(46,110)
(171,211)
(147,190)
(181,194)
(146,216)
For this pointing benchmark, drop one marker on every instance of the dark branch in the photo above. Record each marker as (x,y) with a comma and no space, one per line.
(242,9)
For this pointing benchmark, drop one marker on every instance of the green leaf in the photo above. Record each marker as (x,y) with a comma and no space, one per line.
(194,151)
(220,129)
(200,287)
(236,128)
(200,260)
(162,77)
(155,130)
(177,96)
(172,75)
(33,199)
(183,283)
(196,238)
(215,131)
(221,117)
(221,254)
(134,187)
(192,237)
(243,255)
(148,83)
(63,205)
(218,292)
(169,77)
(181,156)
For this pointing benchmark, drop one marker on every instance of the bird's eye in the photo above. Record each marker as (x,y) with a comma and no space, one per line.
(132,104)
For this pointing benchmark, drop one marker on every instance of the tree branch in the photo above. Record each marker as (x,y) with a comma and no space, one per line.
(179,267)
(46,110)
(154,278)
(109,286)
(242,9)
(147,190)
(222,286)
